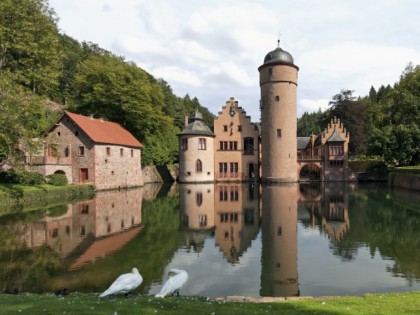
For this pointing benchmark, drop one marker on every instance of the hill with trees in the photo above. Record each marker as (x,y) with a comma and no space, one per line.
(39,65)
(40,68)
(384,124)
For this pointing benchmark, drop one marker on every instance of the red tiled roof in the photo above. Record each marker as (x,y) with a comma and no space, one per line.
(101,131)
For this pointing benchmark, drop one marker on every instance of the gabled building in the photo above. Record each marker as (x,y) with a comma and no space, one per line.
(90,151)
(236,150)
(325,156)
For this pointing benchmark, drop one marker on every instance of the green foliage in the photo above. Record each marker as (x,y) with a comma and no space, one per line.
(310,123)
(57,179)
(31,178)
(29,44)
(22,177)
(396,135)
(353,115)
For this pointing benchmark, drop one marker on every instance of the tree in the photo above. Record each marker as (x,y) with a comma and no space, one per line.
(29,44)
(119,91)
(397,136)
(310,123)
(24,118)
(353,115)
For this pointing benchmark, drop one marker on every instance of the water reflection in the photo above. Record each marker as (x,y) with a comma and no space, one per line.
(229,212)
(89,229)
(233,239)
(279,276)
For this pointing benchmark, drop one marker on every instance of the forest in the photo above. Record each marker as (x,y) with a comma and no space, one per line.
(43,72)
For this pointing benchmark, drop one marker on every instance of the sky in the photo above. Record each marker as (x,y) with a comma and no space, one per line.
(211,49)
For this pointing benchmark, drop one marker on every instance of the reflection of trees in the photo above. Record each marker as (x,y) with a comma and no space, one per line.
(23,268)
(384,226)
(150,251)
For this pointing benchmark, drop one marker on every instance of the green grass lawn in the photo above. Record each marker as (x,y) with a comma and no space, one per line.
(78,303)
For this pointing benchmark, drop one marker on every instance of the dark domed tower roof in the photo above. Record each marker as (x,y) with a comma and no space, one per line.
(197,126)
(278,55)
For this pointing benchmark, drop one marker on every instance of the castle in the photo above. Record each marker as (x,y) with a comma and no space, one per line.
(237,150)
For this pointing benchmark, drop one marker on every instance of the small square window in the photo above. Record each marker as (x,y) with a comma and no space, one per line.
(277,98)
(108,151)
(81,151)
(239,128)
(278,133)
(225,128)
(121,152)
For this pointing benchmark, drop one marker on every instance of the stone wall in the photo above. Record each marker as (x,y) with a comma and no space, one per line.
(406,181)
(160,174)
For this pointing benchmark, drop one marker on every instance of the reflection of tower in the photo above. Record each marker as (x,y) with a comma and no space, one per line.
(278,83)
(196,152)
(196,202)
(279,275)
(237,218)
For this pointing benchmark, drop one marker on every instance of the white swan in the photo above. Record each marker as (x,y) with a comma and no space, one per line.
(174,283)
(124,283)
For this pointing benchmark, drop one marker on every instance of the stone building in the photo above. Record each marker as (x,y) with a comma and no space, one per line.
(90,151)
(239,146)
(196,153)
(278,83)
(235,145)
(325,157)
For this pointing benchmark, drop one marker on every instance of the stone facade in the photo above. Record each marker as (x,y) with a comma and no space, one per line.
(72,148)
(278,83)
(196,152)
(236,147)
(325,156)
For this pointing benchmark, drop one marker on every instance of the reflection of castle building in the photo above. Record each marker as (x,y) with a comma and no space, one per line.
(279,275)
(196,202)
(327,206)
(197,206)
(236,218)
(110,213)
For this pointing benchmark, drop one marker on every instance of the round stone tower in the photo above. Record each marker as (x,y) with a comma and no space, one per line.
(278,83)
(196,152)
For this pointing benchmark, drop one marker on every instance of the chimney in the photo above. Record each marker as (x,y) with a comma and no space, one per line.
(186,121)
(91,116)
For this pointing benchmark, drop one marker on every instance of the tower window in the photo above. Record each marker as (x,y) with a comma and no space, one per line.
(184,144)
(278,133)
(225,128)
(277,98)
(270,71)
(198,166)
(202,144)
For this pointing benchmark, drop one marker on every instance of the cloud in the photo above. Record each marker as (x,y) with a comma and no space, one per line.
(310,106)
(178,75)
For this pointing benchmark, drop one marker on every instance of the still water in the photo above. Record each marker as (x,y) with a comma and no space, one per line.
(232,239)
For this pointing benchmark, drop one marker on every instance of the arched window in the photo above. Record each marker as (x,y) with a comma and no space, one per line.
(198,166)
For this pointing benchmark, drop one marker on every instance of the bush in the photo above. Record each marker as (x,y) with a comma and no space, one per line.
(31,178)
(9,177)
(22,177)
(57,179)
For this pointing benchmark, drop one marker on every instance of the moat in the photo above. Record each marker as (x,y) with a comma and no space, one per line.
(232,239)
